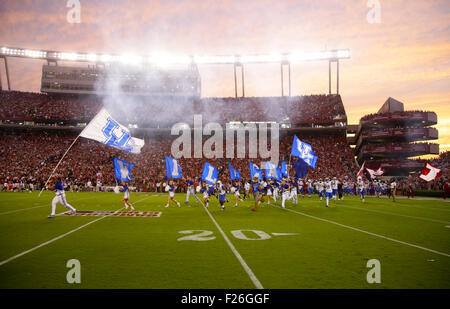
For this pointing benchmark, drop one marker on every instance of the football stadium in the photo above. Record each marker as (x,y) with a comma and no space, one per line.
(124,170)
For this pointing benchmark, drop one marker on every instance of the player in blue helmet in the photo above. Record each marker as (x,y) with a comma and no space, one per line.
(328,190)
(222,194)
(285,191)
(361,188)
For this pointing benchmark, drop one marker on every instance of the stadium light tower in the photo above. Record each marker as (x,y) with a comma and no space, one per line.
(238,61)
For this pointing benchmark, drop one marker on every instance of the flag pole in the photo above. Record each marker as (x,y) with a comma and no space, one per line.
(58,165)
(289,165)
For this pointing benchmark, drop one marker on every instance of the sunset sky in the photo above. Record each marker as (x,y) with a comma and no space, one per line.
(406,56)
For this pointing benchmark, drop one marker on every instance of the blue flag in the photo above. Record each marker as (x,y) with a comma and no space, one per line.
(284,171)
(210,173)
(301,169)
(272,171)
(234,174)
(173,169)
(255,171)
(122,169)
(304,151)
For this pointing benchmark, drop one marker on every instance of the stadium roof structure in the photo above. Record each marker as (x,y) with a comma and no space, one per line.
(164,59)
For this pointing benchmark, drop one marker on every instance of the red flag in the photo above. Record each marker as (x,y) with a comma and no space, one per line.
(360,173)
(429,172)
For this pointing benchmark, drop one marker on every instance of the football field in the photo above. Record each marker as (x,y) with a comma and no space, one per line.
(191,247)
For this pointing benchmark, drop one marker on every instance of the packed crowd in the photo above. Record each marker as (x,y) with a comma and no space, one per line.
(443,163)
(403,115)
(33,157)
(40,107)
(163,112)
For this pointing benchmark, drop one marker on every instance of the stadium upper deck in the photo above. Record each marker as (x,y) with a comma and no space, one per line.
(387,138)
(163,112)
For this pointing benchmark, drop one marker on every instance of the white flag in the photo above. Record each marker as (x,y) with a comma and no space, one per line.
(429,172)
(104,129)
(375,173)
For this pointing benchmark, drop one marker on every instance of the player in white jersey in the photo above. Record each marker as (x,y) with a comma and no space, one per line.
(285,191)
(328,190)
(300,184)
(276,189)
(222,194)
(321,189)
(334,187)
(98,185)
(377,188)
(293,195)
(361,188)
(310,188)
(246,190)
(344,188)
(60,198)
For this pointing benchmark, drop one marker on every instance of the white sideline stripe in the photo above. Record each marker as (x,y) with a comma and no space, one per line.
(284,234)
(61,236)
(395,214)
(366,232)
(47,204)
(250,273)
(427,208)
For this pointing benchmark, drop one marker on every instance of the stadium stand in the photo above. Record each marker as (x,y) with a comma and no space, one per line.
(33,156)
(388,138)
(301,111)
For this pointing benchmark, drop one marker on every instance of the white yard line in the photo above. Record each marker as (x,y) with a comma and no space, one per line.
(365,232)
(247,269)
(395,214)
(427,208)
(61,236)
(46,205)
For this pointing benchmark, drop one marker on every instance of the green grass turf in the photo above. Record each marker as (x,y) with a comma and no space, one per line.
(121,252)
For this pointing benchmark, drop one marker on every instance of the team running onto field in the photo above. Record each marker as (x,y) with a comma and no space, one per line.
(288,189)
